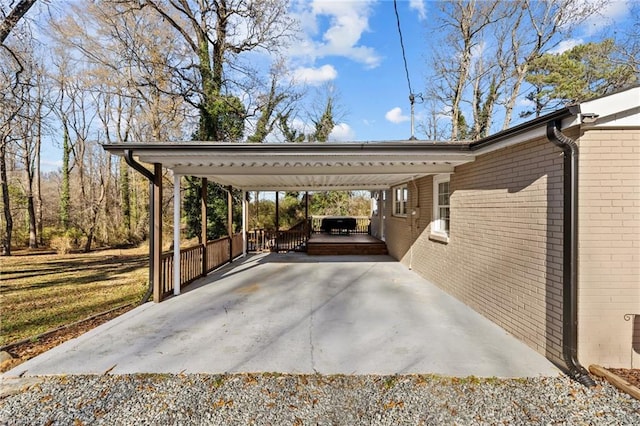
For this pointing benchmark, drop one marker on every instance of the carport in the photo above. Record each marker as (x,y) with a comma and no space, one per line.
(369,166)
(293,312)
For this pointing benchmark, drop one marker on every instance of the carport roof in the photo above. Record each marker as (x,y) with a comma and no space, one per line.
(303,166)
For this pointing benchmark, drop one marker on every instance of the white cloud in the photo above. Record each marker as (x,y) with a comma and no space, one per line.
(348,20)
(395,115)
(478,50)
(521,101)
(342,132)
(565,45)
(300,125)
(315,76)
(419,6)
(607,15)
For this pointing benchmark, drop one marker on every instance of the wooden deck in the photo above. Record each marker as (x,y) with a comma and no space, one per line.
(323,244)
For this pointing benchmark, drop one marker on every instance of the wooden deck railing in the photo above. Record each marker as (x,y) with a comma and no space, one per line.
(217,253)
(290,240)
(191,265)
(295,239)
(258,240)
(281,241)
(362,224)
(236,244)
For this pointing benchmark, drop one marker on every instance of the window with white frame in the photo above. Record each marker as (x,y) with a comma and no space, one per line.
(400,197)
(441,208)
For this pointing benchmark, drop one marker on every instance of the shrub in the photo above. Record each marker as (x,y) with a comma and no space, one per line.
(62,244)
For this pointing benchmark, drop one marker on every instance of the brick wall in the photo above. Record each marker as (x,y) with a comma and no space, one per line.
(397,231)
(504,255)
(609,263)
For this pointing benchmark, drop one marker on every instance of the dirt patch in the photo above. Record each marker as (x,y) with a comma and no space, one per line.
(22,352)
(248,289)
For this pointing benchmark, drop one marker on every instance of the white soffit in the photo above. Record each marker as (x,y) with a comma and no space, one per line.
(304,167)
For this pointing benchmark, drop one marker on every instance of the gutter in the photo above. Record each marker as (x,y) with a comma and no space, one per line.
(523,128)
(293,148)
(569,253)
(128,157)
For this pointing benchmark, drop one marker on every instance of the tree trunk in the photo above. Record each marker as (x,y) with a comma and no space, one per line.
(8,226)
(31,210)
(14,16)
(87,245)
(521,72)
(65,206)
(38,185)
(467,33)
(95,210)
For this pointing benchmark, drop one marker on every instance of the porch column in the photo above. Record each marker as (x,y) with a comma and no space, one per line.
(277,213)
(230,220)
(382,209)
(277,236)
(203,223)
(176,234)
(306,213)
(157,232)
(244,223)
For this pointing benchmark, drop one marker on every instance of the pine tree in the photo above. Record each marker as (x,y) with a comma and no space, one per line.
(583,72)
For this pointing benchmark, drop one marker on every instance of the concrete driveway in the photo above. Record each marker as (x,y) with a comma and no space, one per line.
(295,313)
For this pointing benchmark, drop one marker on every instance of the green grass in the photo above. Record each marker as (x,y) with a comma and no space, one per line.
(39,292)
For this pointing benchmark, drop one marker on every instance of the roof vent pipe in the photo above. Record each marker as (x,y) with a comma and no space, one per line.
(570,253)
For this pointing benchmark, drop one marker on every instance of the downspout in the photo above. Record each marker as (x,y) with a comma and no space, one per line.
(570,253)
(128,157)
(414,218)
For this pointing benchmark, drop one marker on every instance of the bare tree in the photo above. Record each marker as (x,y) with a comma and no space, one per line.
(536,27)
(464,23)
(216,33)
(12,104)
(273,103)
(326,112)
(485,52)
(76,111)
(130,55)
(629,42)
(29,142)
(11,20)
(433,126)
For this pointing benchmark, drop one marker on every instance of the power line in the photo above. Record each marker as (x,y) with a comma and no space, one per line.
(404,56)
(412,96)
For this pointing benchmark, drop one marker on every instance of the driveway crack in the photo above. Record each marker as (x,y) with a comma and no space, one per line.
(311,347)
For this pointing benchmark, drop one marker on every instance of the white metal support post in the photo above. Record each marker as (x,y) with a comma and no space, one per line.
(244,223)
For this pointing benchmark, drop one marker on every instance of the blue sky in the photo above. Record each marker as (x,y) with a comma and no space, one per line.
(355,45)
(363,61)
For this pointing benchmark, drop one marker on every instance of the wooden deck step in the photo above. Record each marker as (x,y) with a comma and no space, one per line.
(321,248)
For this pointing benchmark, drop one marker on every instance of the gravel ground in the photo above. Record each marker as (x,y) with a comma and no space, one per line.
(274,399)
